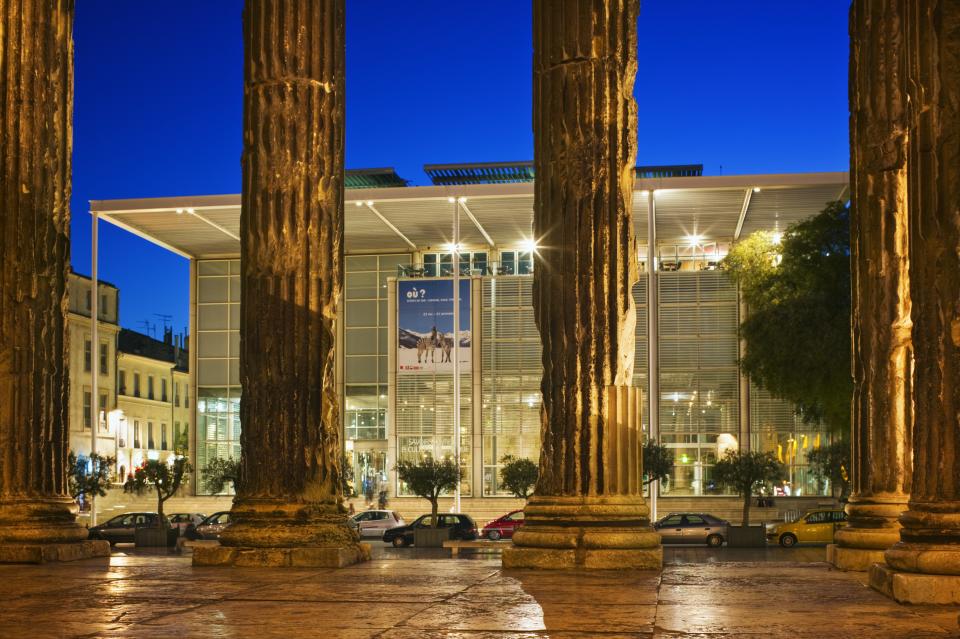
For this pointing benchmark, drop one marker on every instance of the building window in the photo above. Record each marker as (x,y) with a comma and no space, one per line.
(122,379)
(441,264)
(176,394)
(86,409)
(136,384)
(149,386)
(102,416)
(136,434)
(163,437)
(104,353)
(103,306)
(86,356)
(150,443)
(186,396)
(163,390)
(176,435)
(516,263)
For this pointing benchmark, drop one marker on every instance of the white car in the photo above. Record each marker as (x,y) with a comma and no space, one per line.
(373,523)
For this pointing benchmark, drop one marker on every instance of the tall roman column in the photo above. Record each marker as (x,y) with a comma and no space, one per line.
(288,509)
(37,516)
(924,567)
(882,352)
(588,509)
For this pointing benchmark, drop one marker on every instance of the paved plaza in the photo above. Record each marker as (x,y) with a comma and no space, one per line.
(422,595)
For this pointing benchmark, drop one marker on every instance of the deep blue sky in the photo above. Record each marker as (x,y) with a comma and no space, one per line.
(749,86)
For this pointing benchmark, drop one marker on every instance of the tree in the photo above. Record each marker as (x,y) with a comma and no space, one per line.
(747,472)
(429,478)
(657,461)
(163,477)
(219,472)
(797,330)
(346,476)
(519,475)
(830,463)
(89,476)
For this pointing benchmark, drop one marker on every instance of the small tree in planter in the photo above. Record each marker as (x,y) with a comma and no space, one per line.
(519,475)
(831,463)
(165,478)
(657,462)
(89,477)
(747,472)
(220,472)
(429,478)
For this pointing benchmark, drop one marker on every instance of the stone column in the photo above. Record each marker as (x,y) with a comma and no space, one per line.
(588,509)
(924,567)
(37,516)
(882,352)
(288,509)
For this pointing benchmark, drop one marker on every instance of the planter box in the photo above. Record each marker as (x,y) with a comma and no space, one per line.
(746,537)
(430,537)
(155,537)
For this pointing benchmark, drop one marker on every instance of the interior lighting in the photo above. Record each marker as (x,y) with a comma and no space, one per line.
(358,203)
(644,192)
(694,239)
(179,211)
(777,237)
(190,211)
(451,200)
(369,202)
(461,200)
(756,189)
(529,245)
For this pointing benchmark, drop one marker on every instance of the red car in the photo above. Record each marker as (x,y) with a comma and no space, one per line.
(503,527)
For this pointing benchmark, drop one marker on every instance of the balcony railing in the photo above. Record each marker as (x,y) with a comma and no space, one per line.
(481,269)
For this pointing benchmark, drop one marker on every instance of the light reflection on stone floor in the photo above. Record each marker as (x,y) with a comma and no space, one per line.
(409,594)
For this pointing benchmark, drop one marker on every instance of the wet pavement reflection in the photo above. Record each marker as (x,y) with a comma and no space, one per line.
(409,593)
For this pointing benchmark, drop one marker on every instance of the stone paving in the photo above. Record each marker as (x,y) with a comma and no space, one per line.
(409,594)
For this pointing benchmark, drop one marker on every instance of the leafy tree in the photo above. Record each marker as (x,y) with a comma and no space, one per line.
(220,472)
(165,478)
(747,472)
(429,478)
(82,479)
(797,331)
(519,475)
(657,461)
(346,476)
(831,463)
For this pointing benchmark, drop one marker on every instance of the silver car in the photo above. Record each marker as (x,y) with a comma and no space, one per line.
(692,528)
(209,528)
(373,523)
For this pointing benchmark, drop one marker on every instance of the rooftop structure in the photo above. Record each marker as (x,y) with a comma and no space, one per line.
(510,172)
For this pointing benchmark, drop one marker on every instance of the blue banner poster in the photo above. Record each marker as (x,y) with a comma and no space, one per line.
(425,326)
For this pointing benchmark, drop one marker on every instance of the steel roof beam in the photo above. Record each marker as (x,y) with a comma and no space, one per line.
(389,224)
(743,213)
(476,223)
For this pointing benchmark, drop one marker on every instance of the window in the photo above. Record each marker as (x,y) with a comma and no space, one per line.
(86,355)
(163,390)
(103,306)
(86,409)
(516,262)
(150,443)
(149,386)
(102,417)
(163,437)
(104,352)
(441,264)
(176,433)
(186,396)
(136,384)
(136,434)
(695,520)
(176,393)
(817,518)
(122,382)
(673,520)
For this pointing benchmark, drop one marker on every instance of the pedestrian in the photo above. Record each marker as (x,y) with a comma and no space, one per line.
(352,510)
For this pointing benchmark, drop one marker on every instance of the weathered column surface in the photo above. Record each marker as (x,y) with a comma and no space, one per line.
(588,509)
(924,567)
(37,516)
(882,352)
(288,509)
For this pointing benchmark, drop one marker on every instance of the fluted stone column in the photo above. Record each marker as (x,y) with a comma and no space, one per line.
(37,516)
(289,506)
(882,352)
(924,567)
(588,509)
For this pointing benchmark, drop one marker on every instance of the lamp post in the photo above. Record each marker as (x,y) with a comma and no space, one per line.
(456,348)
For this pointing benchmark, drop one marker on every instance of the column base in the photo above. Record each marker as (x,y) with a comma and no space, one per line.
(294,557)
(26,553)
(915,588)
(556,559)
(598,533)
(853,559)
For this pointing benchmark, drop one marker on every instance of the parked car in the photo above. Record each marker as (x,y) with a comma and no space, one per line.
(373,523)
(692,528)
(817,526)
(503,527)
(462,527)
(181,521)
(209,528)
(121,528)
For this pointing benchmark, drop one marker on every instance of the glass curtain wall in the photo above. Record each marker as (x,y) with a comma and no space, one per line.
(218,361)
(365,366)
(512,370)
(699,379)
